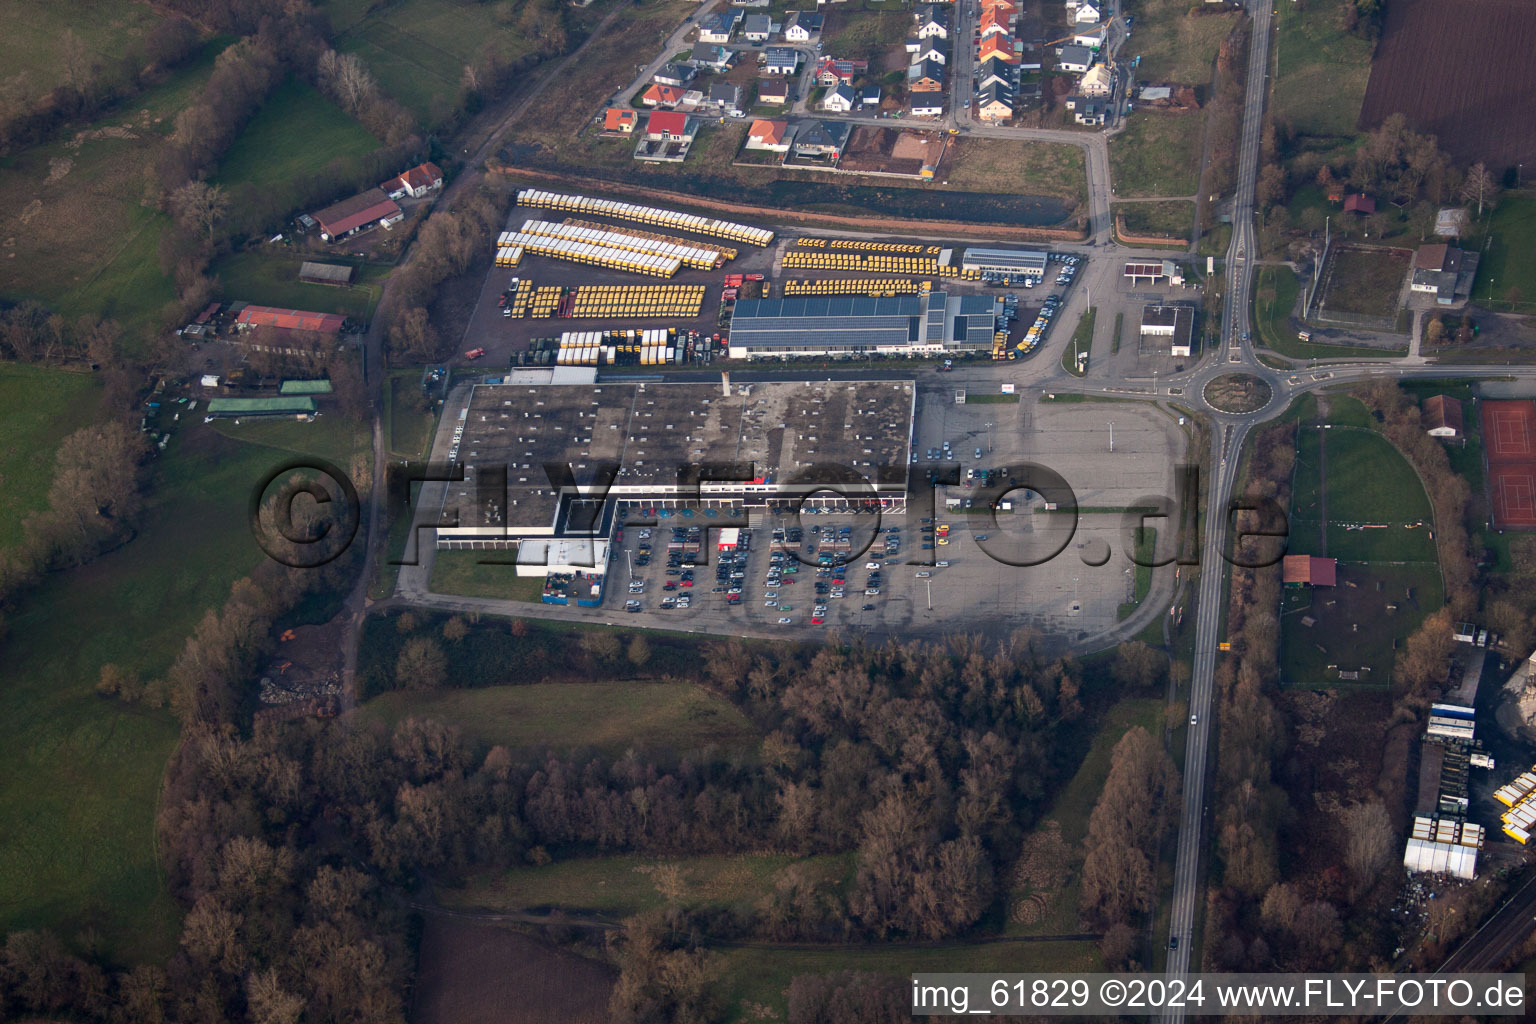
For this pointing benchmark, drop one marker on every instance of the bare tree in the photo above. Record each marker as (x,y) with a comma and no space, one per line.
(1368,842)
(421,665)
(200,205)
(639,651)
(348,82)
(1480,188)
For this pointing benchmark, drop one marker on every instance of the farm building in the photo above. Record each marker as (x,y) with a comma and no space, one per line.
(361,212)
(1308,571)
(651,429)
(1441,416)
(1173,323)
(290,406)
(252,317)
(1444,272)
(338,274)
(1017,262)
(848,326)
(416,182)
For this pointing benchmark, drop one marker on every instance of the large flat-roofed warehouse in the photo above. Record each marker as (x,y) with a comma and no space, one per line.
(845,325)
(634,441)
(1026,262)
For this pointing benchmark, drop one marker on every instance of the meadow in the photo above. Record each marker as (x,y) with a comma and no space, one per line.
(278,144)
(272,279)
(41,406)
(32,43)
(1174,44)
(1321,70)
(1157,155)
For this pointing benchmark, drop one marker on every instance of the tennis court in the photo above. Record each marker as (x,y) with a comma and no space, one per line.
(1509,432)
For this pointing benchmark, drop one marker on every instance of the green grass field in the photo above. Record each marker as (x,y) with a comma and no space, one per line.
(1508,260)
(1175,46)
(38,407)
(1364,281)
(79,774)
(1322,70)
(31,44)
(473,574)
(417,49)
(626,885)
(1364,480)
(278,145)
(606,716)
(1275,297)
(1014,165)
(75,234)
(410,432)
(1172,219)
(1157,155)
(273,280)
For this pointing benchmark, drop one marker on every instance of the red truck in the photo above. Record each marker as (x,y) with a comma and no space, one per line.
(474,353)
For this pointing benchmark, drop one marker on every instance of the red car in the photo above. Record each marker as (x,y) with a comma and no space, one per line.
(686,583)
(817,622)
(474,353)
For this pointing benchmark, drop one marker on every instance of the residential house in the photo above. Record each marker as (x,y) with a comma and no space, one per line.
(780,60)
(925,76)
(839,99)
(822,141)
(693,99)
(1091,37)
(711,56)
(718,28)
(1074,58)
(676,74)
(932,22)
(929,104)
(726,97)
(618,121)
(757,28)
(769,135)
(802,26)
(1096,83)
(1088,12)
(1007,7)
(361,212)
(996,72)
(1441,416)
(773,92)
(667,96)
(1028,95)
(667,137)
(994,21)
(1087,111)
(1444,272)
(927,51)
(1028,54)
(869,96)
(416,182)
(1359,204)
(830,71)
(995,102)
(1000,47)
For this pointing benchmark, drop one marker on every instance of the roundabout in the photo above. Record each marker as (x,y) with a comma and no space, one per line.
(1237,394)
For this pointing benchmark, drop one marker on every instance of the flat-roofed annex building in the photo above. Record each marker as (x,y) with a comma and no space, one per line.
(853,326)
(612,442)
(1174,323)
(1028,262)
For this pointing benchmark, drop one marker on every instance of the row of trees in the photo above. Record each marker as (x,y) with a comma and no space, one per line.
(448,244)
(1225,111)
(1133,815)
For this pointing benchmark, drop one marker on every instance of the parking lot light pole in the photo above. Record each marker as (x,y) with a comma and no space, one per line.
(989,436)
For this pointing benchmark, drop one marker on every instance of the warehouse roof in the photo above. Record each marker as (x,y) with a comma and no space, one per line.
(369,206)
(325,273)
(305,387)
(259,406)
(998,257)
(654,429)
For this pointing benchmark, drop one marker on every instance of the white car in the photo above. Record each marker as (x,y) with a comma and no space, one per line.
(924,575)
(1194,719)
(942,565)
(871,565)
(785,620)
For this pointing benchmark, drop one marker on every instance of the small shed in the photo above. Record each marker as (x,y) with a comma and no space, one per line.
(1442,416)
(1309,571)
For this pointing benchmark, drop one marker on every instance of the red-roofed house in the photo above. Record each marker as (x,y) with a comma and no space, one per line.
(1309,571)
(1360,204)
(416,182)
(618,121)
(359,213)
(999,47)
(769,135)
(288,319)
(662,96)
(1442,416)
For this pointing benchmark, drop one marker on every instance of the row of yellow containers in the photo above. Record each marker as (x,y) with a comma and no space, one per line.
(726,252)
(889,264)
(521,296)
(854,243)
(638,300)
(545,299)
(857,286)
(509,255)
(540,199)
(702,259)
(595,255)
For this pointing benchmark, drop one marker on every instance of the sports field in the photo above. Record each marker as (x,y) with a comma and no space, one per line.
(1362,281)
(1351,480)
(1509,435)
